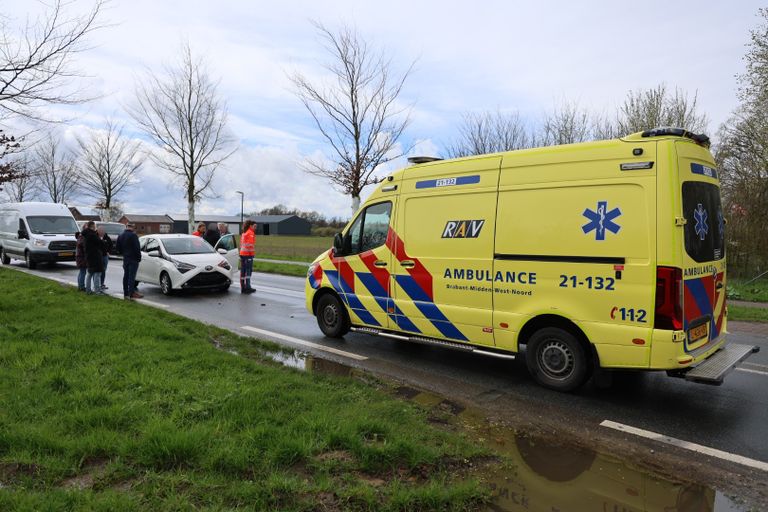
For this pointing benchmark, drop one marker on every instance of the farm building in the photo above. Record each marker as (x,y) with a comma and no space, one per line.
(148,224)
(281,225)
(181,221)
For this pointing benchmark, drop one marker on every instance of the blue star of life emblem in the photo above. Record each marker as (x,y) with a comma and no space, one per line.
(601,220)
(700,215)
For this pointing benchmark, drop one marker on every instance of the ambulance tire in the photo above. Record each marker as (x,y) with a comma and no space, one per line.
(556,359)
(332,317)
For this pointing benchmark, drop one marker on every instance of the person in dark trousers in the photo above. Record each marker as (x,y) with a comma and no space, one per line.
(247,252)
(128,246)
(109,248)
(212,234)
(82,266)
(94,259)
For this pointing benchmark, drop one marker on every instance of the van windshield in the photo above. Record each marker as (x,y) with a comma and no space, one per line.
(112,229)
(705,226)
(191,245)
(52,225)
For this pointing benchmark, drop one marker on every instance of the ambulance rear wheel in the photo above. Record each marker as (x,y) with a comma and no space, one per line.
(556,359)
(331,316)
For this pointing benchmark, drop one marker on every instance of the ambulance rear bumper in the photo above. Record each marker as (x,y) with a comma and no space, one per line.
(714,368)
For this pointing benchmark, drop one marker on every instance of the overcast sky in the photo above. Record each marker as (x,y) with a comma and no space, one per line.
(470,56)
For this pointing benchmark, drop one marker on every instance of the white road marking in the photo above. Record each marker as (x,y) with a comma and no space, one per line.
(276,291)
(732,457)
(749,370)
(305,343)
(756,365)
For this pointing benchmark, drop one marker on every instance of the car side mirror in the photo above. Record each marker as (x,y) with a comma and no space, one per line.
(338,244)
(221,251)
(23,234)
(154,254)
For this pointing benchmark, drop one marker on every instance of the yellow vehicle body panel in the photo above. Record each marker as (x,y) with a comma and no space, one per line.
(476,250)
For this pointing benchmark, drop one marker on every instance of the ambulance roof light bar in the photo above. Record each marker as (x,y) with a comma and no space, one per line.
(698,138)
(415,160)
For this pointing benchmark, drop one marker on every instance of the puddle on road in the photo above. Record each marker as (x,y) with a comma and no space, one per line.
(543,475)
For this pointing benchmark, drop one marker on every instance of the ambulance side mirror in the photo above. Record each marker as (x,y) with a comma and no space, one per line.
(338,244)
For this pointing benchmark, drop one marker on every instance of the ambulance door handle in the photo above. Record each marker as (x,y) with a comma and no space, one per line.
(407,263)
(719,286)
(379,263)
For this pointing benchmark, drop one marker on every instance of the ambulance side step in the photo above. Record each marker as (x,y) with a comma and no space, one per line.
(434,342)
(713,369)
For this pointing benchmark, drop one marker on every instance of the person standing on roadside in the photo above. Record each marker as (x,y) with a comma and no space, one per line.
(128,245)
(82,266)
(212,234)
(108,249)
(94,259)
(200,229)
(247,252)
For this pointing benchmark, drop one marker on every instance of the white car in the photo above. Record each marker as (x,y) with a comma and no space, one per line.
(183,262)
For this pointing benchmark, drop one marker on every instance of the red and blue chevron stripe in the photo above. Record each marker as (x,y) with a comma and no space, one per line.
(700,300)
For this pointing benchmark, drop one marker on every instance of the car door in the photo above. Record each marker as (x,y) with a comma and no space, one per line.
(229,243)
(149,267)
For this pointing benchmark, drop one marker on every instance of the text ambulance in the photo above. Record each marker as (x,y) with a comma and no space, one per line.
(606,254)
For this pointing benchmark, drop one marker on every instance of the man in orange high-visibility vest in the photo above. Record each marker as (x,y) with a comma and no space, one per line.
(247,251)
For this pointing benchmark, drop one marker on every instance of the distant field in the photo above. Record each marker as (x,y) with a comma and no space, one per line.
(294,248)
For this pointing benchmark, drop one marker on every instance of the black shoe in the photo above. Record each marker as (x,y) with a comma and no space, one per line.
(248,290)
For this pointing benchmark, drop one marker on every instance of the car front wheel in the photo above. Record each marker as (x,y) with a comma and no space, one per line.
(4,257)
(165,284)
(31,265)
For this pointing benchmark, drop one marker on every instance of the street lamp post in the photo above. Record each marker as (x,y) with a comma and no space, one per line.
(242,197)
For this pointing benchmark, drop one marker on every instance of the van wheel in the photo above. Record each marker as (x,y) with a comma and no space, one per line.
(332,317)
(4,257)
(165,284)
(556,359)
(31,265)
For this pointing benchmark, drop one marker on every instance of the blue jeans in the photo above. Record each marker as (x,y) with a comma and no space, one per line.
(246,269)
(95,279)
(81,278)
(129,277)
(104,274)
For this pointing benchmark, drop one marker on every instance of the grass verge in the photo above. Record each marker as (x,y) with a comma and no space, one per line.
(294,248)
(753,292)
(111,405)
(747,314)
(285,269)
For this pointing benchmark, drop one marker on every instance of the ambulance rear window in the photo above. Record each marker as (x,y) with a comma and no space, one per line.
(705,226)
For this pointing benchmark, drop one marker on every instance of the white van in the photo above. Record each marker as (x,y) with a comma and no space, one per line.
(37,232)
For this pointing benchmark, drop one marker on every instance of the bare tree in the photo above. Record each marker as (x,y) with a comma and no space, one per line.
(8,146)
(55,169)
(356,111)
(108,164)
(650,108)
(489,132)
(181,111)
(36,64)
(565,124)
(24,186)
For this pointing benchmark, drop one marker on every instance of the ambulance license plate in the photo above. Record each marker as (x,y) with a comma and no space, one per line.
(66,253)
(697,333)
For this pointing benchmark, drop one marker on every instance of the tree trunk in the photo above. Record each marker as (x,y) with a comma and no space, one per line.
(191,213)
(355,204)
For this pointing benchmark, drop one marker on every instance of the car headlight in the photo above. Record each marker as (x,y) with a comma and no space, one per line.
(40,243)
(181,266)
(223,264)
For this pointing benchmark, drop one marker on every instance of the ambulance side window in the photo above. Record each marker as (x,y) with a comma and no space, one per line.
(369,229)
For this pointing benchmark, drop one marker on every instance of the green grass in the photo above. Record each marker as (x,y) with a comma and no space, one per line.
(747,314)
(754,292)
(294,248)
(111,405)
(285,269)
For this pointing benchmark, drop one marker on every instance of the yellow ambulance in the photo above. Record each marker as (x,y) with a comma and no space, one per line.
(606,254)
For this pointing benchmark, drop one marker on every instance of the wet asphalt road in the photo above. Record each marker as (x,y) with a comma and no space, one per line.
(732,417)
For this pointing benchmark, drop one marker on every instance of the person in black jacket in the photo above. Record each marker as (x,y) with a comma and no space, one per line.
(212,234)
(128,245)
(108,247)
(94,259)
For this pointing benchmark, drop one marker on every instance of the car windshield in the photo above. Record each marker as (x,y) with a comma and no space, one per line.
(52,225)
(112,229)
(190,245)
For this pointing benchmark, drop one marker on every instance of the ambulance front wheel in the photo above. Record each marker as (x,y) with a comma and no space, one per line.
(332,317)
(556,359)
